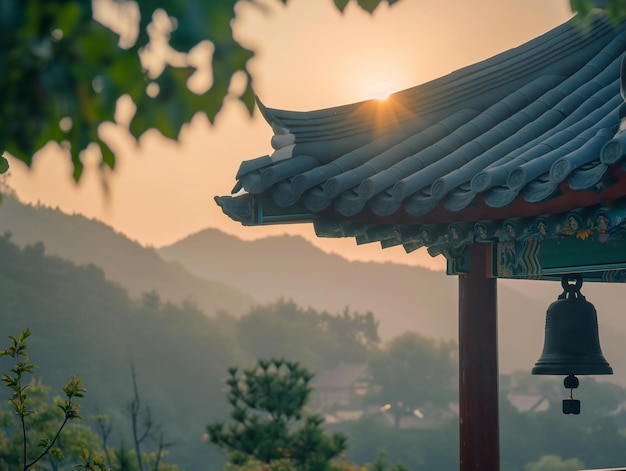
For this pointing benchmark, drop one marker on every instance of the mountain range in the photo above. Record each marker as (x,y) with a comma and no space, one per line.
(138,269)
(220,272)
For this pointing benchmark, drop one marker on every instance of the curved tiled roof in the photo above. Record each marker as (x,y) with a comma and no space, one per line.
(532,131)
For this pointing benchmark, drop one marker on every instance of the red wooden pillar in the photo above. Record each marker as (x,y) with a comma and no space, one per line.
(478,364)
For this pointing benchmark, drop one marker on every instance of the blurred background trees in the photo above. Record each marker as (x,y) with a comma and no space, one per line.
(413,371)
(315,339)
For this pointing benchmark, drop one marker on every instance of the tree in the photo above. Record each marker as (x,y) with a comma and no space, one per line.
(103,328)
(435,447)
(412,371)
(144,427)
(287,465)
(64,70)
(269,422)
(40,427)
(317,340)
(555,463)
(35,421)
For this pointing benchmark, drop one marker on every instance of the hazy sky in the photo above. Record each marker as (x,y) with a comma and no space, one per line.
(308,57)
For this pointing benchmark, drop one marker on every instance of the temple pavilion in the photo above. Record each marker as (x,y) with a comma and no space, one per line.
(513,167)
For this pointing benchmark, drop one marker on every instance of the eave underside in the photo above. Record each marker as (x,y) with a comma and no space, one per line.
(589,240)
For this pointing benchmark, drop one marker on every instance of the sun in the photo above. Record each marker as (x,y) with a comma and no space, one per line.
(382,94)
(378,88)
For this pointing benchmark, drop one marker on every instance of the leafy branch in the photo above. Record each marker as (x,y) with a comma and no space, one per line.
(14,380)
(65,70)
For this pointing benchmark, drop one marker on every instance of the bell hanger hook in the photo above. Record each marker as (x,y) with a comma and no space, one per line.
(571,290)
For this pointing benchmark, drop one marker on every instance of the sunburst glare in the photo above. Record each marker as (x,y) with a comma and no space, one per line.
(378,88)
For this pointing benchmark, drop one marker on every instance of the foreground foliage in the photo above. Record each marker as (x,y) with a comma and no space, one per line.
(34,419)
(36,433)
(64,71)
(289,465)
(269,422)
(555,463)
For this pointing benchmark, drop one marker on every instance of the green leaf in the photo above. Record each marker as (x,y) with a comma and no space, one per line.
(583,7)
(248,97)
(4,164)
(616,10)
(44,443)
(108,157)
(341,4)
(24,335)
(369,5)
(56,452)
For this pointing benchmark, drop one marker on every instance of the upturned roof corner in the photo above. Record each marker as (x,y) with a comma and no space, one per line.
(532,136)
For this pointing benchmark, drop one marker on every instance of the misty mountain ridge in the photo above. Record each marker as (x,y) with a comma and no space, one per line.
(222,272)
(138,269)
(401,297)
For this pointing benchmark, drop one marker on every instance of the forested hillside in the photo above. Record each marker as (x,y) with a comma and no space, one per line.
(83,324)
(403,298)
(231,274)
(87,326)
(138,269)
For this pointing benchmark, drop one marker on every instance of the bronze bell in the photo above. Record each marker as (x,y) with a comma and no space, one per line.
(571,345)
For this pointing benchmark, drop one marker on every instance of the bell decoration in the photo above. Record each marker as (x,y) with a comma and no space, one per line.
(571,345)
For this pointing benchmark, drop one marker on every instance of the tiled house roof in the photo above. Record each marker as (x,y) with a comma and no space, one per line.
(532,132)
(343,376)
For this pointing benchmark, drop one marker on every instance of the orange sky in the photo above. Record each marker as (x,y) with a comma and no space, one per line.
(308,57)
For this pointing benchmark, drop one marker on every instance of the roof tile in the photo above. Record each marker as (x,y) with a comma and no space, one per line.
(515,131)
